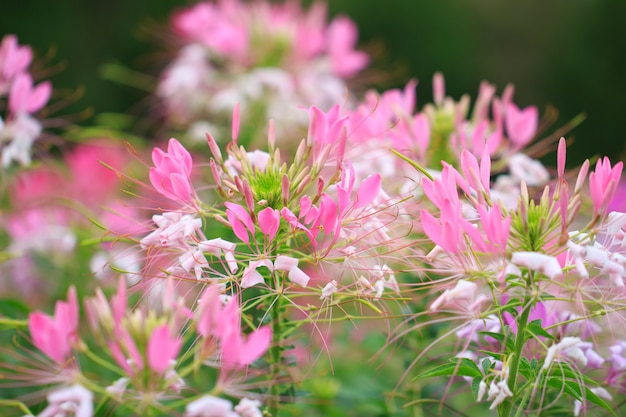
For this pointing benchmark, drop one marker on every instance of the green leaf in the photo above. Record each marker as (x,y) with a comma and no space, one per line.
(487,365)
(534,329)
(457,367)
(475,387)
(525,370)
(591,396)
(573,389)
(13,308)
(502,338)
(564,370)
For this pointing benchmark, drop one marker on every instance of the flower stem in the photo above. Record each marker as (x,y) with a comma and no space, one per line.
(277,311)
(520,341)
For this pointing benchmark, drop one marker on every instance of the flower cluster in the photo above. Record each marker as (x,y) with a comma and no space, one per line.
(359,231)
(270,58)
(144,348)
(20,128)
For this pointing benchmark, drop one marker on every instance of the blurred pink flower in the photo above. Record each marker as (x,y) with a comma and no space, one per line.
(171,173)
(55,335)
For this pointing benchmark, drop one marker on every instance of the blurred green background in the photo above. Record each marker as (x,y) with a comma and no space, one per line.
(567,53)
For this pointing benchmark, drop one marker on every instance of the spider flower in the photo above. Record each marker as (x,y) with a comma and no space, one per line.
(20,128)
(267,57)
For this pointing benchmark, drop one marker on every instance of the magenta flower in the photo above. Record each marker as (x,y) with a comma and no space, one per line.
(224,324)
(240,220)
(24,98)
(603,183)
(14,60)
(55,335)
(618,203)
(162,349)
(171,173)
(342,36)
(521,124)
(240,351)
(269,221)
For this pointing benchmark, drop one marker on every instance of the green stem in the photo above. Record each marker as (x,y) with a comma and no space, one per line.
(276,352)
(520,341)
(17,404)
(13,322)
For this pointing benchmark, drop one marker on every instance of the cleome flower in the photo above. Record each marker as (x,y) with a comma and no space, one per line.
(270,58)
(19,129)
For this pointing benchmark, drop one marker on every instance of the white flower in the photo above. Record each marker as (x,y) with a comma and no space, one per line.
(569,346)
(462,291)
(329,289)
(118,388)
(535,261)
(249,408)
(74,401)
(209,406)
(529,170)
(498,393)
(296,275)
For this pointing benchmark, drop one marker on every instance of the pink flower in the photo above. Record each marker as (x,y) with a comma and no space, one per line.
(240,220)
(171,173)
(603,183)
(14,59)
(224,324)
(251,276)
(55,335)
(215,26)
(618,203)
(24,98)
(162,349)
(342,36)
(521,125)
(269,221)
(239,350)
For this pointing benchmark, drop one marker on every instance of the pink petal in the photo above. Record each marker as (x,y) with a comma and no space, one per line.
(368,191)
(521,125)
(162,348)
(269,220)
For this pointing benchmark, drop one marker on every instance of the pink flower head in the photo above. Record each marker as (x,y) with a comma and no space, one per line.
(215,26)
(86,169)
(24,98)
(521,125)
(171,173)
(55,335)
(603,183)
